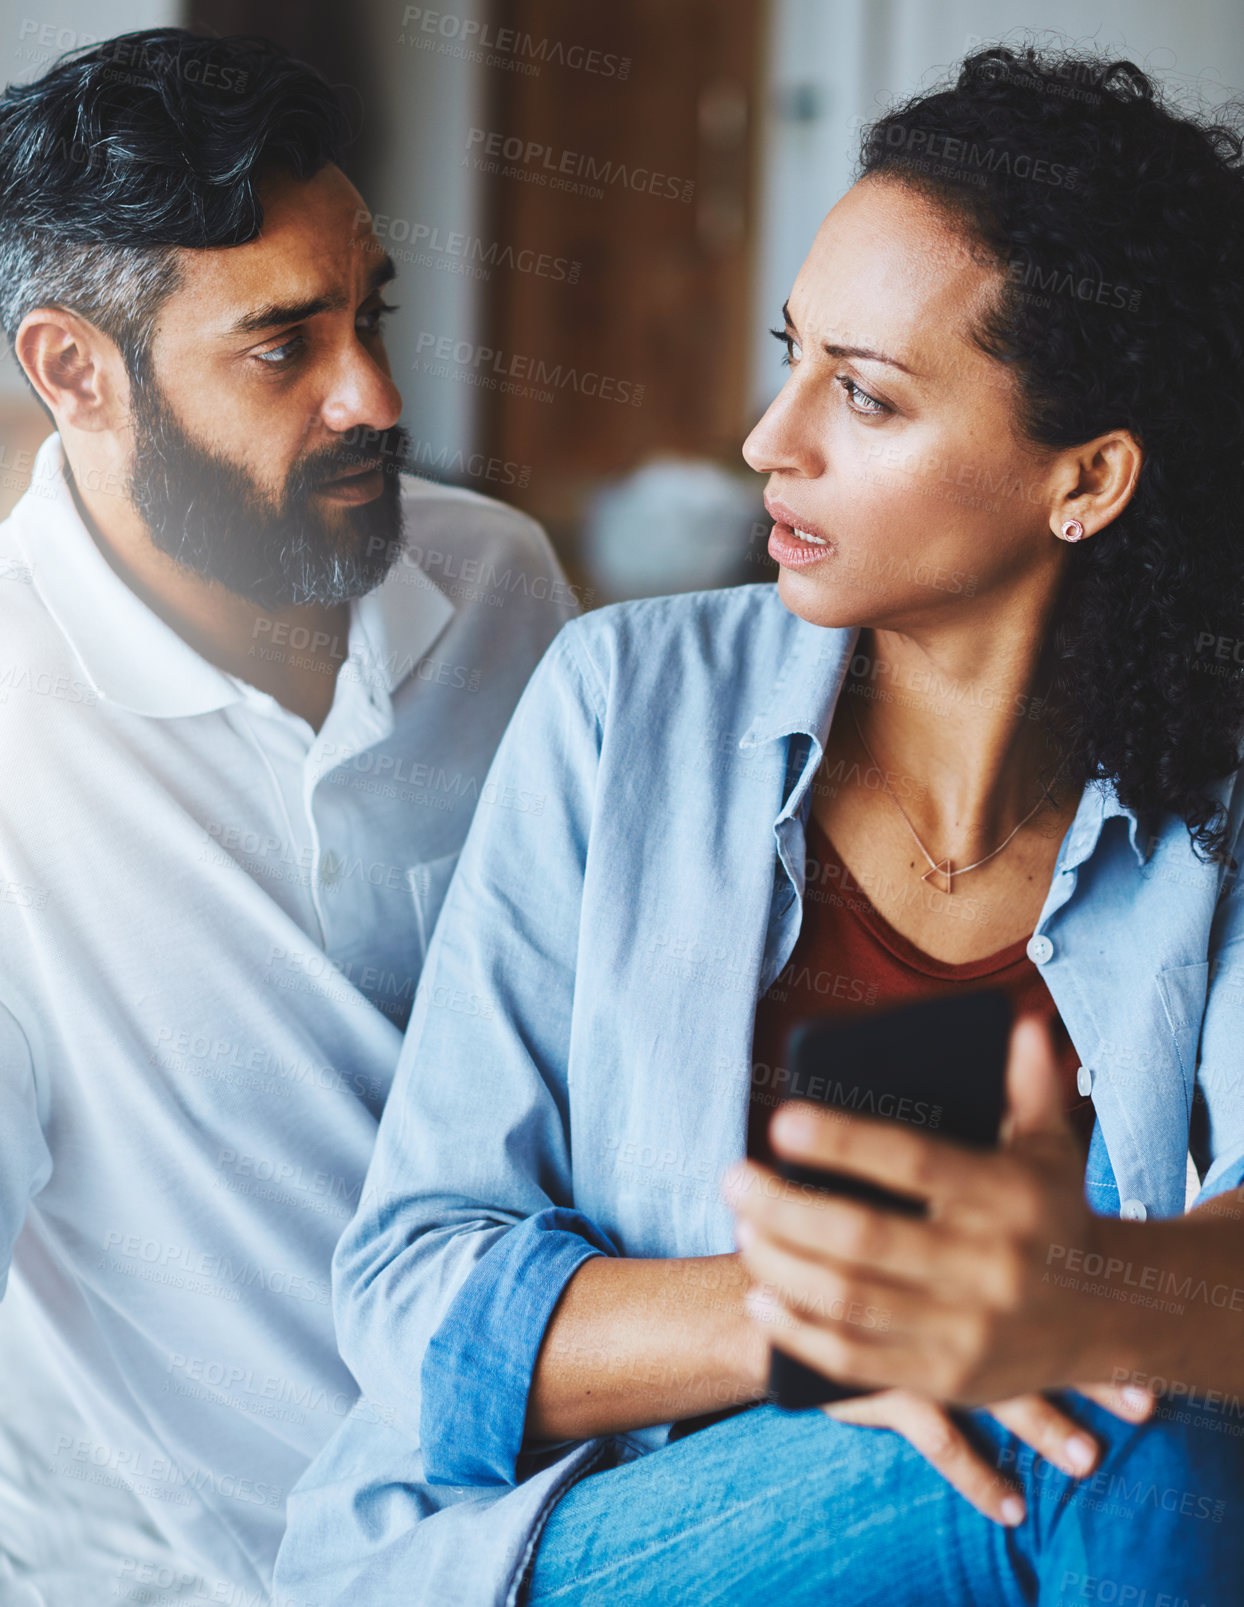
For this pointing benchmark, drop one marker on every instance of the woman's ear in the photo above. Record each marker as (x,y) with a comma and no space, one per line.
(77,372)
(1095,481)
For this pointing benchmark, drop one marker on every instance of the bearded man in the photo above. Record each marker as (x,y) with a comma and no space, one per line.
(251,679)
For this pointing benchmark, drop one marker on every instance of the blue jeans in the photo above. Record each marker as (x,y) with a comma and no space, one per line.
(792,1508)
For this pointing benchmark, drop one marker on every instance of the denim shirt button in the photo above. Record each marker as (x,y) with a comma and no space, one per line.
(1084,1082)
(1039,949)
(1133,1211)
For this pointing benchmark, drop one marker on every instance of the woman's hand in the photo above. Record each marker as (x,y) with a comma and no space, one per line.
(934,1432)
(964,1305)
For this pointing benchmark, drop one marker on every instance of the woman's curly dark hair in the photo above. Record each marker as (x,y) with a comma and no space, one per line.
(1118,220)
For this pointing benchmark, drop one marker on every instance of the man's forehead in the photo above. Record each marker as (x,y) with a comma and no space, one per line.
(316,242)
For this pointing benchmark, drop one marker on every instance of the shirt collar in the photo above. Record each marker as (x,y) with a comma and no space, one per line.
(807,686)
(803,700)
(134,659)
(1099,804)
(393,627)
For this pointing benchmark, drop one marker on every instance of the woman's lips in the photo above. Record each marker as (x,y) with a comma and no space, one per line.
(796,549)
(793,542)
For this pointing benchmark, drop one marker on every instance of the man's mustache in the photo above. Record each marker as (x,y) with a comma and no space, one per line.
(334,462)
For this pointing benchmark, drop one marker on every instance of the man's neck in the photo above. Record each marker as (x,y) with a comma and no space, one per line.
(293,653)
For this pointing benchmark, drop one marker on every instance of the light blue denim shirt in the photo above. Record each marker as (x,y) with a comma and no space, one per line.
(576,1073)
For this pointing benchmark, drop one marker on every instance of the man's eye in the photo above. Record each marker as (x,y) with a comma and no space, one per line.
(280,356)
(289,351)
(371,321)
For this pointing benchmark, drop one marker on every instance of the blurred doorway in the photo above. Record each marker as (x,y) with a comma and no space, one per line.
(620,153)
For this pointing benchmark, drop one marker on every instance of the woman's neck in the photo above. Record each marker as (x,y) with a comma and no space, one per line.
(957,727)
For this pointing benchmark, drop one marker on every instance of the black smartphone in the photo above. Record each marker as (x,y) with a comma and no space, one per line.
(939,1066)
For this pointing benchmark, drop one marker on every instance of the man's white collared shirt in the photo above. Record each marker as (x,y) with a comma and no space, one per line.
(212,920)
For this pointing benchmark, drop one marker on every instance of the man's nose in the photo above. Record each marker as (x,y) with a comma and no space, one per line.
(362,393)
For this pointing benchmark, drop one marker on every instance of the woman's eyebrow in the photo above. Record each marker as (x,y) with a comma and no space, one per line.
(865,352)
(832,350)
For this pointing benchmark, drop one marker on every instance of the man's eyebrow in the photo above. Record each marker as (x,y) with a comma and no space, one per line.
(279,314)
(865,352)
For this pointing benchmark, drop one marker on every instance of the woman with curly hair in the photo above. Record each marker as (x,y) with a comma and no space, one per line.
(986,729)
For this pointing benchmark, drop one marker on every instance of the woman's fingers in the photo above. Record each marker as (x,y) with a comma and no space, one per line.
(818,1289)
(931,1430)
(1050,1432)
(814,1222)
(963,1258)
(1128,1401)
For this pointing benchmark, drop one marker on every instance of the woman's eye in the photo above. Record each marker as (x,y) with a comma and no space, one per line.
(860,401)
(793,352)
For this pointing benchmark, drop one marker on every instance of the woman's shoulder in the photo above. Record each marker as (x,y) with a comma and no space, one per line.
(724,639)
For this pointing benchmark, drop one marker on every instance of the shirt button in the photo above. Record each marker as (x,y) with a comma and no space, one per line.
(1133,1211)
(1084,1082)
(329,870)
(1039,949)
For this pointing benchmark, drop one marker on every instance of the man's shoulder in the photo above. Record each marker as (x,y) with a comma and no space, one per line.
(29,636)
(444,524)
(14,565)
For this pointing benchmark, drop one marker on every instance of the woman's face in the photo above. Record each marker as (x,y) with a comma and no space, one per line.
(892,444)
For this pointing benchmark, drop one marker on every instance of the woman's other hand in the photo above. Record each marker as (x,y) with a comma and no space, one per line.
(933,1430)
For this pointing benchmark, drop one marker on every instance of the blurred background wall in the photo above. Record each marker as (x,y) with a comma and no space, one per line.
(597,208)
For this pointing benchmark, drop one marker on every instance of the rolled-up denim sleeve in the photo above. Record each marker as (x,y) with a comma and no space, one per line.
(467,1229)
(477,1369)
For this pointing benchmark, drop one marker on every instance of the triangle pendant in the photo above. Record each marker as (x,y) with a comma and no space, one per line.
(945,869)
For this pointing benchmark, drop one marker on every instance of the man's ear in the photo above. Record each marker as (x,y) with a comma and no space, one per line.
(78,372)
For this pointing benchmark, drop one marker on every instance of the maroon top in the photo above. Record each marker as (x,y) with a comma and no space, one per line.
(849,961)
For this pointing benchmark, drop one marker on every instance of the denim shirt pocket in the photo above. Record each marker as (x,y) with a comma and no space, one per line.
(429,882)
(1183,990)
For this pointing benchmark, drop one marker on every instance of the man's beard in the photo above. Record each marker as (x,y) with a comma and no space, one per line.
(207,513)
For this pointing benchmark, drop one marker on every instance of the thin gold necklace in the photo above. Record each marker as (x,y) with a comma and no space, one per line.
(945,867)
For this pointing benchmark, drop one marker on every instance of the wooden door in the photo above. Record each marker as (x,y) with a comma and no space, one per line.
(618,146)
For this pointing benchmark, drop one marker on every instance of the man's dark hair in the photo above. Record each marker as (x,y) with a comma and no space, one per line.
(125,151)
(1116,219)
